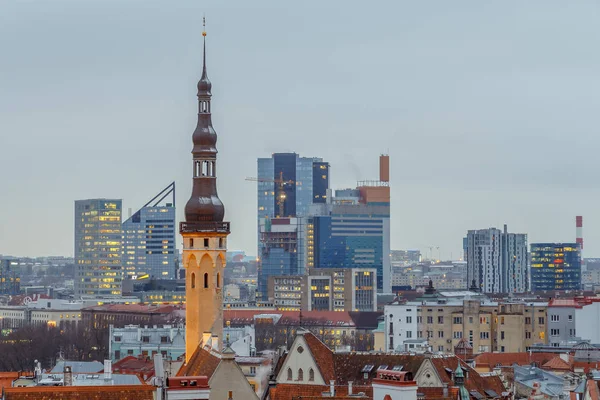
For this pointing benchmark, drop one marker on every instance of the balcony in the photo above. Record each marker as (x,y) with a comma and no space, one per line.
(193,227)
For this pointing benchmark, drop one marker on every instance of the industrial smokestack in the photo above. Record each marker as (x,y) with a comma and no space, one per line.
(579,231)
(384,168)
(579,239)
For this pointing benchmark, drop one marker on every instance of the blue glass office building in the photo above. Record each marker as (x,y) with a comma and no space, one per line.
(311,181)
(149,239)
(555,266)
(307,182)
(352,236)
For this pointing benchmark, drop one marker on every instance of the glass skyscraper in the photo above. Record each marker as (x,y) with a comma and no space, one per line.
(351,236)
(98,236)
(555,266)
(311,181)
(149,243)
(149,239)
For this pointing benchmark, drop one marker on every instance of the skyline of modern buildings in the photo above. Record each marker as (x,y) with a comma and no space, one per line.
(149,246)
(98,241)
(350,229)
(497,261)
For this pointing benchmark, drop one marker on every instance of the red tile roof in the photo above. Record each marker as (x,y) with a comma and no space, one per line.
(322,355)
(202,363)
(142,367)
(345,367)
(6,378)
(437,393)
(557,363)
(592,390)
(473,381)
(491,360)
(124,392)
(293,392)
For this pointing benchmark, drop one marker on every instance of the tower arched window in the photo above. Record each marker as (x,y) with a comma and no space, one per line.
(218,279)
(193,280)
(300,374)
(289,374)
(311,375)
(205,280)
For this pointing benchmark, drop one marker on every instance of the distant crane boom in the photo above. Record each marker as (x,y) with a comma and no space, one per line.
(280,190)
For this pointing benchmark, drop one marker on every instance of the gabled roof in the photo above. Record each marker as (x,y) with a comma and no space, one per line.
(202,363)
(349,366)
(473,380)
(463,344)
(141,392)
(557,363)
(323,356)
(135,365)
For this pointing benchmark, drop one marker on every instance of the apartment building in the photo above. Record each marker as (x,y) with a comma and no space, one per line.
(326,289)
(487,326)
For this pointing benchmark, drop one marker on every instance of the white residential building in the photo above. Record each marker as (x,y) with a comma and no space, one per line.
(587,321)
(400,325)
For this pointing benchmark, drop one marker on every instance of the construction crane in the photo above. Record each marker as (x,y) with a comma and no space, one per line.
(281,183)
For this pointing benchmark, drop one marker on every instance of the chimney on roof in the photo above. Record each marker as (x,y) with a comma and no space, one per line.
(215,343)
(68,376)
(349,388)
(230,395)
(205,338)
(107,370)
(332,388)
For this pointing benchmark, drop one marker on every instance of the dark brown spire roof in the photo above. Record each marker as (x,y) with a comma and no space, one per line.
(204,204)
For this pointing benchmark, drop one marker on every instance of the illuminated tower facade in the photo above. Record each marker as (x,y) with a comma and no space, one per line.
(204,232)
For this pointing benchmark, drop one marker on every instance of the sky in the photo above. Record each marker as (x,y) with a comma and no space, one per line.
(489,110)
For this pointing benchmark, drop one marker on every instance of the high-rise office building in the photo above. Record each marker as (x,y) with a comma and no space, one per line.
(303,180)
(555,266)
(288,185)
(279,251)
(149,239)
(10,277)
(98,236)
(497,260)
(352,230)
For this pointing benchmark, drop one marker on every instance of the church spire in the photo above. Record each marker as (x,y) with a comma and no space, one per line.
(204,84)
(204,204)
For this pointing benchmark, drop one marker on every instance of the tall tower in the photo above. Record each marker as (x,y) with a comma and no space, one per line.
(204,232)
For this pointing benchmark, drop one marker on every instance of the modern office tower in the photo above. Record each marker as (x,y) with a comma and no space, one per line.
(497,260)
(10,277)
(149,239)
(204,233)
(555,266)
(279,251)
(289,184)
(352,230)
(98,236)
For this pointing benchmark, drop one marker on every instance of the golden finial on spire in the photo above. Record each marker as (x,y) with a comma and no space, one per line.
(203,26)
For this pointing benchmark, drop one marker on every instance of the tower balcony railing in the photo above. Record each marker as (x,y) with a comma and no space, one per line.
(208,226)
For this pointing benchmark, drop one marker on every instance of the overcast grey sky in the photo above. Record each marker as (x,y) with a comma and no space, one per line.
(489,109)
